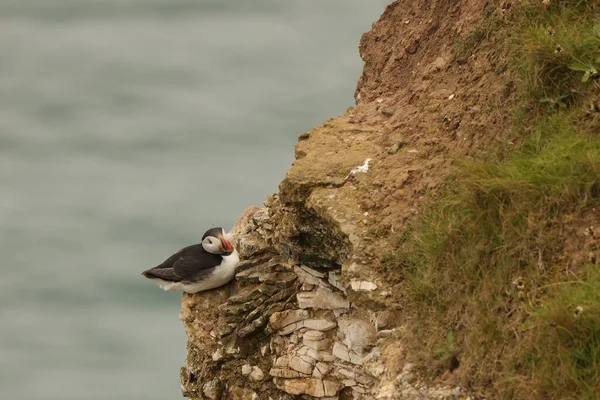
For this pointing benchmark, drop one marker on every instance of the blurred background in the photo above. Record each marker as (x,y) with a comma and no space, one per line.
(127,128)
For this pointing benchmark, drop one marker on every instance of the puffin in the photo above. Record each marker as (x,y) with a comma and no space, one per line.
(198,267)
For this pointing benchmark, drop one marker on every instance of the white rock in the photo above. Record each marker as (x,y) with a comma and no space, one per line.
(314,335)
(355,358)
(282,362)
(319,324)
(317,345)
(285,373)
(257,375)
(357,334)
(281,319)
(362,285)
(341,351)
(312,353)
(312,387)
(307,278)
(246,369)
(298,364)
(322,369)
(309,360)
(322,298)
(217,355)
(302,351)
(306,299)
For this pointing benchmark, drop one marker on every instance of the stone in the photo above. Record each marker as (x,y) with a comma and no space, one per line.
(355,358)
(382,320)
(359,389)
(358,334)
(341,351)
(212,389)
(323,299)
(321,369)
(362,285)
(393,149)
(387,111)
(246,369)
(372,363)
(281,319)
(318,345)
(290,328)
(218,355)
(312,387)
(298,364)
(319,324)
(314,335)
(304,136)
(312,353)
(307,278)
(257,374)
(327,357)
(308,359)
(285,373)
(306,299)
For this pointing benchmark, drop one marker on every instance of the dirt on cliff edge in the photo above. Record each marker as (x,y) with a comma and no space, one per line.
(434,89)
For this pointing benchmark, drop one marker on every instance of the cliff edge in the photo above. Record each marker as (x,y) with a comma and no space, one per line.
(316,310)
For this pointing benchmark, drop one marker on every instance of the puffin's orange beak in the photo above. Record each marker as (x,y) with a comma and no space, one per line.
(225,244)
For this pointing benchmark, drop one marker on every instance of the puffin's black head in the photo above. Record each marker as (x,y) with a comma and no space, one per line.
(214,242)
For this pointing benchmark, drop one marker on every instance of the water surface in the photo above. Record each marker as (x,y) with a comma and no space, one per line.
(127,128)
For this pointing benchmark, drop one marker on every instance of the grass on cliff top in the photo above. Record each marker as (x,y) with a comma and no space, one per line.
(501,274)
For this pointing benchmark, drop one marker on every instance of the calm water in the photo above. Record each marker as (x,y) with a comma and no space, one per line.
(127,127)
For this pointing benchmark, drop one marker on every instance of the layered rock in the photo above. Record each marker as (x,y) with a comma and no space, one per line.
(283,328)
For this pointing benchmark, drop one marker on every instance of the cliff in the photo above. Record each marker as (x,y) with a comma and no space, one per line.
(316,309)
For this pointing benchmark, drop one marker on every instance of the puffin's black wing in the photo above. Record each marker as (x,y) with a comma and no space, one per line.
(188,264)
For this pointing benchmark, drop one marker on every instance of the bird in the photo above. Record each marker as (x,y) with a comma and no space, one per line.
(199,267)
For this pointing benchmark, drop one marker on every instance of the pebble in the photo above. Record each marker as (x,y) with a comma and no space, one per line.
(393,149)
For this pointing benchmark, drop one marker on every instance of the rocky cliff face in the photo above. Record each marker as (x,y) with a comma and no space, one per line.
(312,313)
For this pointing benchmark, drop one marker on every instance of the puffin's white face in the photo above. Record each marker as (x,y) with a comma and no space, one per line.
(216,243)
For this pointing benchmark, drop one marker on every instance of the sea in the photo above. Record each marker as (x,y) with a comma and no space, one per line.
(127,129)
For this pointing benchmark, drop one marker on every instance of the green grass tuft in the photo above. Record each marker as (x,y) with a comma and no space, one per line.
(559,52)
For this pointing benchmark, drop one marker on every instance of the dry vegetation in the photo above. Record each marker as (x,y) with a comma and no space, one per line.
(501,274)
